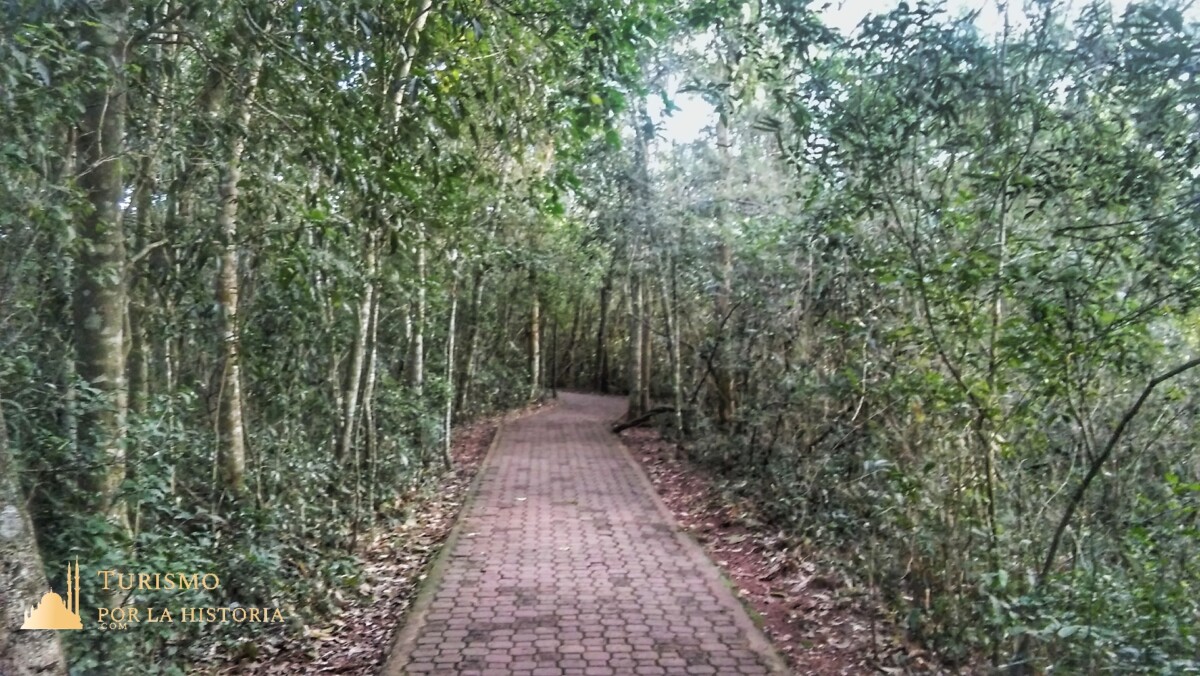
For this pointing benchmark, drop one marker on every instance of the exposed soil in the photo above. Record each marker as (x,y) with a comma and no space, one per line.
(822,622)
(357,641)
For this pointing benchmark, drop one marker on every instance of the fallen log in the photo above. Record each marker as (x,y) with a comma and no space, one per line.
(642,419)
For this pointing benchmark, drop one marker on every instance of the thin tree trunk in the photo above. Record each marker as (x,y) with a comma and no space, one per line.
(535,339)
(723,303)
(672,329)
(406,371)
(647,343)
(640,329)
(412,37)
(398,88)
(231,423)
(138,291)
(572,339)
(634,308)
(99,298)
(467,377)
(138,360)
(362,364)
(602,331)
(417,374)
(368,404)
(65,280)
(169,369)
(554,360)
(450,331)
(358,357)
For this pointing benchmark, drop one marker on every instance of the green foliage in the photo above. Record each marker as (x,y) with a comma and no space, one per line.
(957,260)
(432,141)
(911,296)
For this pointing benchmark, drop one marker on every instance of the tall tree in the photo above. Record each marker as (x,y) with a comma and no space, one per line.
(99,294)
(231,416)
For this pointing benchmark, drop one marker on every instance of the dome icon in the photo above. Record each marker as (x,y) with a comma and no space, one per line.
(52,612)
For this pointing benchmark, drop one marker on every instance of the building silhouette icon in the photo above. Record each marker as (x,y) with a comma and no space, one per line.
(53,612)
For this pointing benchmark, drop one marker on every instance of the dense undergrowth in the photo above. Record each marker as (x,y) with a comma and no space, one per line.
(934,296)
(926,290)
(292,548)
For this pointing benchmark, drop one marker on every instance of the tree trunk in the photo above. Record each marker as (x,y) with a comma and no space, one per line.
(639,319)
(22,580)
(554,360)
(358,358)
(360,381)
(724,300)
(368,405)
(669,303)
(398,89)
(450,330)
(568,368)
(138,359)
(634,306)
(412,36)
(647,344)
(417,373)
(99,298)
(602,331)
(467,377)
(64,277)
(138,290)
(230,420)
(535,339)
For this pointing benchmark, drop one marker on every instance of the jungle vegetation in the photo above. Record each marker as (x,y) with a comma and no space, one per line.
(927,293)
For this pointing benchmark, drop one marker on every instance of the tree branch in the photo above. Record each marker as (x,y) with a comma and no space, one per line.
(1098,464)
(146,251)
(622,426)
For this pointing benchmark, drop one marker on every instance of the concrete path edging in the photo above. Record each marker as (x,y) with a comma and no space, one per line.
(406,638)
(722,586)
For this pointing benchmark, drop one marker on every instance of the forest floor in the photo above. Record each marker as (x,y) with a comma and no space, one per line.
(357,641)
(820,620)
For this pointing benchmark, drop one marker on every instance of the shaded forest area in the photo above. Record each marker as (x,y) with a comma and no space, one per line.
(926,293)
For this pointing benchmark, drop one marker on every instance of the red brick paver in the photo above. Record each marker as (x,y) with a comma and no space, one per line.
(565,562)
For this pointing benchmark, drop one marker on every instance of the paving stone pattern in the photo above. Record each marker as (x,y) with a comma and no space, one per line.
(566,563)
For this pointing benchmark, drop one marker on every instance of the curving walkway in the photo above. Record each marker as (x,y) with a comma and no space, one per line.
(565,562)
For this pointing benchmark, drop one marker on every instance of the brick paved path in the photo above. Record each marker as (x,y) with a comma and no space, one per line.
(565,562)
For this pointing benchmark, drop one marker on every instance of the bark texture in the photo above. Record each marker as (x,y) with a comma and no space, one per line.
(535,339)
(99,298)
(358,358)
(450,331)
(22,581)
(722,376)
(231,418)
